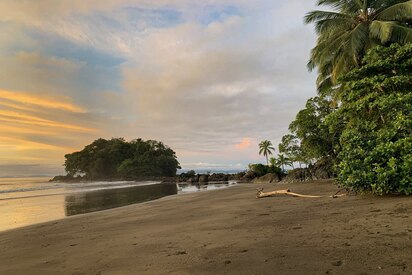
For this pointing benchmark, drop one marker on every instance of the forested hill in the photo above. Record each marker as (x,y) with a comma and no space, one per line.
(118,159)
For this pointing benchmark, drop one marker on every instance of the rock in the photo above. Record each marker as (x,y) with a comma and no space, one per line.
(193,179)
(218,177)
(297,175)
(250,175)
(322,169)
(268,178)
(237,176)
(203,178)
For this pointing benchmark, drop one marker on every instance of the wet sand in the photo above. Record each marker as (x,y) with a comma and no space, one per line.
(225,231)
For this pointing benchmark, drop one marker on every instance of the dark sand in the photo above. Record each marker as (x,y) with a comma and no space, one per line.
(225,231)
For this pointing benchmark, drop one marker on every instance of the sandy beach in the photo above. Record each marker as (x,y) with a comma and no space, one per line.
(225,231)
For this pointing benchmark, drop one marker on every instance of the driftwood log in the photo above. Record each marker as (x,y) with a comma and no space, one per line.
(261,194)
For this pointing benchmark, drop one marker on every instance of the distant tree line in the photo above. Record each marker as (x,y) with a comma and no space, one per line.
(118,159)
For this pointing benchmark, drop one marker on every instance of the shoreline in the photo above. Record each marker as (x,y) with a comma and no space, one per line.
(229,231)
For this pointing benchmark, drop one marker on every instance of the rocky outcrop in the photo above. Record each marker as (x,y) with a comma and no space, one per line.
(203,178)
(322,169)
(297,175)
(219,177)
(268,178)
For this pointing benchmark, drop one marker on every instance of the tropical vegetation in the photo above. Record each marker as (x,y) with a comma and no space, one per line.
(259,170)
(376,109)
(266,148)
(348,29)
(118,159)
(361,119)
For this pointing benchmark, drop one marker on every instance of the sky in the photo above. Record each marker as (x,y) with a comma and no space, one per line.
(211,79)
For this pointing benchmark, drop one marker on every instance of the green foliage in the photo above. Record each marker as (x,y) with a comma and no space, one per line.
(349,29)
(190,173)
(272,161)
(266,148)
(376,110)
(316,140)
(283,161)
(116,158)
(260,169)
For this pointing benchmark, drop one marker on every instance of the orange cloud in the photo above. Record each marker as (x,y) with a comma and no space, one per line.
(7,143)
(27,130)
(27,99)
(10,116)
(32,127)
(245,143)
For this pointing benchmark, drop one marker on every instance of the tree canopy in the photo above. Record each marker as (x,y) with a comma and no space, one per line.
(376,110)
(116,158)
(349,29)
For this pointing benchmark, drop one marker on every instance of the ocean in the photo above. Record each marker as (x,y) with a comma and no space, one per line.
(27,201)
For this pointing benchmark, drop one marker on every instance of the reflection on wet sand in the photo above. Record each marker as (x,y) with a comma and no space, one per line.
(111,198)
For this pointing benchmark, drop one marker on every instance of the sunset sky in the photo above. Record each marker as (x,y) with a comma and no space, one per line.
(209,78)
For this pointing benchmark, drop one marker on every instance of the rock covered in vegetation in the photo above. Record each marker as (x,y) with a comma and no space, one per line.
(118,159)
(219,177)
(297,175)
(268,178)
(322,169)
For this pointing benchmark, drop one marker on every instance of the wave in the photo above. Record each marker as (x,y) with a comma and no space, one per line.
(27,190)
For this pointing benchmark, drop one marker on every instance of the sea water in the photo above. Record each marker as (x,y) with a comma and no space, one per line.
(26,201)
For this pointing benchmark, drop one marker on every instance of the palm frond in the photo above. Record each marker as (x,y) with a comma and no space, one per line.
(317,15)
(383,4)
(330,26)
(398,12)
(345,6)
(390,31)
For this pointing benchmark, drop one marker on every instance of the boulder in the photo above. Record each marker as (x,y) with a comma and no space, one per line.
(268,178)
(322,169)
(203,178)
(219,177)
(297,175)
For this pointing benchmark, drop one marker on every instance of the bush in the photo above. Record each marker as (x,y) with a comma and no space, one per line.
(376,153)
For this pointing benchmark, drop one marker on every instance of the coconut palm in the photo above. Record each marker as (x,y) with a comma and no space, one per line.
(266,148)
(350,29)
(272,162)
(283,160)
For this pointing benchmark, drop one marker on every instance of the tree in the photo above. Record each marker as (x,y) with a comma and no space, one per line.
(117,159)
(376,110)
(266,148)
(283,160)
(272,162)
(350,29)
(316,140)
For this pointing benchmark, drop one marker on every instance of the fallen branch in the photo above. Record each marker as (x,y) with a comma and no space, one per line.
(261,194)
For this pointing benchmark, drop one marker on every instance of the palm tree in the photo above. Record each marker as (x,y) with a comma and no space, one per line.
(347,32)
(266,148)
(272,162)
(283,160)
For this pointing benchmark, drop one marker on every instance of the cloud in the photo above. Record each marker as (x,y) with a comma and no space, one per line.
(202,87)
(245,143)
(28,99)
(199,75)
(35,128)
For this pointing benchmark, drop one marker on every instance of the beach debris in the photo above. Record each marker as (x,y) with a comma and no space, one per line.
(337,263)
(261,194)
